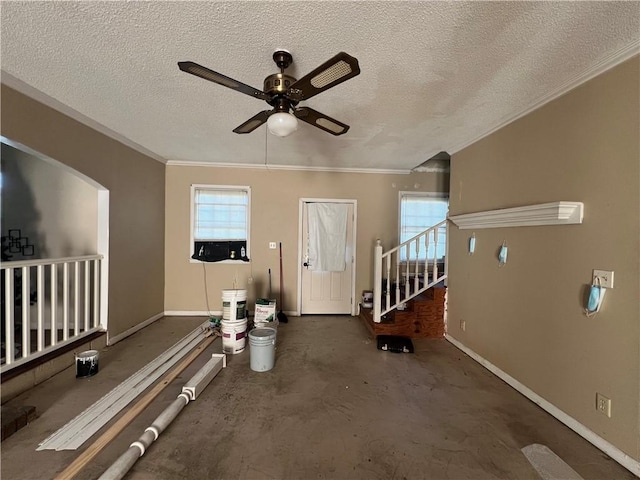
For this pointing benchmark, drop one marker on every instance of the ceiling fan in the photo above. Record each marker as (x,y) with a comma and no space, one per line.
(283,92)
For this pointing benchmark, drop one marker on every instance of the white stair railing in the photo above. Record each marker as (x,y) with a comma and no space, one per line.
(416,259)
(46,304)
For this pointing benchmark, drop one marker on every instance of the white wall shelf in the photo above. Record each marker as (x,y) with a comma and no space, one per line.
(554,213)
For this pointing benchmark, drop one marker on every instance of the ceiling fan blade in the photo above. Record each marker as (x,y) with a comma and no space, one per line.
(203,72)
(254,122)
(320,120)
(332,72)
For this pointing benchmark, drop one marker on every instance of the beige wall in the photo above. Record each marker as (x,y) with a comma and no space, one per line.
(526,318)
(55,209)
(275,198)
(136,191)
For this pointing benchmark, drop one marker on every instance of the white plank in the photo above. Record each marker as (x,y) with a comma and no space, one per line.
(83,426)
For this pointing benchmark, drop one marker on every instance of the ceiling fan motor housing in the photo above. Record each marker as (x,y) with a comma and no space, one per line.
(278,84)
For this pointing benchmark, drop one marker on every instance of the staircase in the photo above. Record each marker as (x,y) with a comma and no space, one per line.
(409,293)
(422,317)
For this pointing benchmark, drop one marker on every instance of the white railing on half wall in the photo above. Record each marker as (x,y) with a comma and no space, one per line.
(409,269)
(47,304)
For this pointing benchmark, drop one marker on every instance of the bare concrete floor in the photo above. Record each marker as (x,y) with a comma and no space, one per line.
(333,407)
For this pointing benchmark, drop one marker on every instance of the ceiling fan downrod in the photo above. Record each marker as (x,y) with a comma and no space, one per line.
(283,59)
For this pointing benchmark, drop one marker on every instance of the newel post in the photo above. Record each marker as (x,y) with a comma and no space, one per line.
(377,281)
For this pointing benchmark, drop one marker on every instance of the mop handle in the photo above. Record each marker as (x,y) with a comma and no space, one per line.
(281,275)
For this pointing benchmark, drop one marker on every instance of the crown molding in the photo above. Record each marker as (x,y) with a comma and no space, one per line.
(607,63)
(262,166)
(31,92)
(431,169)
(554,213)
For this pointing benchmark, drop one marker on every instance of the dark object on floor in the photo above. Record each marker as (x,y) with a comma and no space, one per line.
(14,418)
(282,318)
(395,344)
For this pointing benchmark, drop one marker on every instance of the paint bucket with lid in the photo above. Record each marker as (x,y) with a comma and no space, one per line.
(367,299)
(87,363)
(234,335)
(262,348)
(234,304)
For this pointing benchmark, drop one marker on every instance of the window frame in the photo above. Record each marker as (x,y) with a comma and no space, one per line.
(200,186)
(431,195)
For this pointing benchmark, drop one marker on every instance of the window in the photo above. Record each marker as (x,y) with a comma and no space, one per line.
(418,212)
(220,222)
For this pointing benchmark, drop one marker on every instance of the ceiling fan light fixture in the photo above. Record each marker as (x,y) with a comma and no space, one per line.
(282,124)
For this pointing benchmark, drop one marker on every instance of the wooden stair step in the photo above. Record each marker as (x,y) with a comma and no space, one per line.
(423,317)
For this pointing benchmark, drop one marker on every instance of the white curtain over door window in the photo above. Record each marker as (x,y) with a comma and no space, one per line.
(327,236)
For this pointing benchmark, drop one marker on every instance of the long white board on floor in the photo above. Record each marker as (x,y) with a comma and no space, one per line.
(72,435)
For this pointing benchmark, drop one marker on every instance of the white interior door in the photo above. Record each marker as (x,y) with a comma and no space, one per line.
(327,292)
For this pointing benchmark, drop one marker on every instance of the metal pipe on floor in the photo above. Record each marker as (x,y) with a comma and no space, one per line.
(190,392)
(124,463)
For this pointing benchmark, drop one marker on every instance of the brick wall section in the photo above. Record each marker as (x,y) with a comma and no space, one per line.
(422,318)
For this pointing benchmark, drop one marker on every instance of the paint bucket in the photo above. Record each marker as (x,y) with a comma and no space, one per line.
(86,364)
(234,335)
(264,314)
(367,299)
(234,304)
(262,342)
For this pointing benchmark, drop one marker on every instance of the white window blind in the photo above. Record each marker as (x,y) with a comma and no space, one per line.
(418,212)
(220,214)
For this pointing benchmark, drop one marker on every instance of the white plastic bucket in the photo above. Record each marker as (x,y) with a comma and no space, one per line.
(367,299)
(262,343)
(234,335)
(234,304)
(87,363)
(264,314)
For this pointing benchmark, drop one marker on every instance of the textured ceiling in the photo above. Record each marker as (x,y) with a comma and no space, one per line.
(435,76)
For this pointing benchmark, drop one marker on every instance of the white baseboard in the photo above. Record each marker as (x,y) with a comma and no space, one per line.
(121,336)
(618,455)
(169,313)
(195,313)
(190,313)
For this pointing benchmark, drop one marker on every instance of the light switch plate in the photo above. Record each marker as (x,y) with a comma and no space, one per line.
(605,276)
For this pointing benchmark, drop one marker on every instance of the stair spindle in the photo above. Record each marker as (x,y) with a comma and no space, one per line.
(407,293)
(435,253)
(426,259)
(397,299)
(416,280)
(388,285)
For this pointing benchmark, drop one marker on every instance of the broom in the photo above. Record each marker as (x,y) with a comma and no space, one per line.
(282,318)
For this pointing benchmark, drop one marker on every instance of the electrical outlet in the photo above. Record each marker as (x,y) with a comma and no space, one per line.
(250,280)
(603,404)
(463,325)
(272,245)
(605,276)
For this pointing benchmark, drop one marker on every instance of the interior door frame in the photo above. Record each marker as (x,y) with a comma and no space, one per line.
(301,203)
